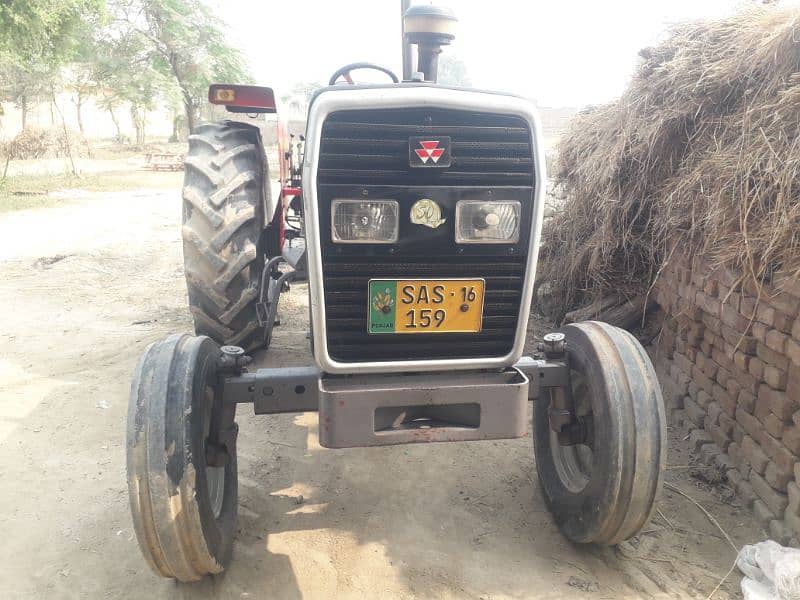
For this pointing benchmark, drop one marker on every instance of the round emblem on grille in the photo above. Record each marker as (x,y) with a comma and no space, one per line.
(426,212)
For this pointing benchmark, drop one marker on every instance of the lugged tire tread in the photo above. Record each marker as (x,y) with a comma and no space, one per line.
(223,216)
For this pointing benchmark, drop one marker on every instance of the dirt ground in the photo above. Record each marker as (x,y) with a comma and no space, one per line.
(86,285)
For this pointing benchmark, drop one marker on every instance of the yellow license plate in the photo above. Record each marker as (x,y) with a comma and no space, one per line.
(425,305)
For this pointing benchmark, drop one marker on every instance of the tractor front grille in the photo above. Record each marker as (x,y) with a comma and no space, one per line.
(365,153)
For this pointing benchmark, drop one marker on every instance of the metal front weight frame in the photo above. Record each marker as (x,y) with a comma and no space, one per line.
(386,409)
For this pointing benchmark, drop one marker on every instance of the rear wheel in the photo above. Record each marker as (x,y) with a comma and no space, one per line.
(602,484)
(181,459)
(223,217)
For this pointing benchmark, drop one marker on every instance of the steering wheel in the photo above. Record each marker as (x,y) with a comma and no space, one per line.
(345,72)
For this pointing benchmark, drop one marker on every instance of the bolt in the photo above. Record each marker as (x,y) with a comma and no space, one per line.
(554,344)
(232,350)
(464,307)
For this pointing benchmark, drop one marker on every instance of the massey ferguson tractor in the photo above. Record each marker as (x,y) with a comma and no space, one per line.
(421,211)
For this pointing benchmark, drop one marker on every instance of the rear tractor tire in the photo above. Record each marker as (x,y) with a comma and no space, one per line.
(225,182)
(181,459)
(601,482)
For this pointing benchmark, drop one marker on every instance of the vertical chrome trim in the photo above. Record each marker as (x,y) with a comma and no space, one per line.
(329,101)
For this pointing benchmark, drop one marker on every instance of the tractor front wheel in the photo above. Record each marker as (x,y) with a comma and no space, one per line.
(181,456)
(600,443)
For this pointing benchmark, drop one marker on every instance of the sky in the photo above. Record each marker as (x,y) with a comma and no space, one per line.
(566,53)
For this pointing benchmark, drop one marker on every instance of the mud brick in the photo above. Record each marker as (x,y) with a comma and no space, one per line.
(686,291)
(733,474)
(796,418)
(776,341)
(683,363)
(793,383)
(712,322)
(747,381)
(750,424)
(775,500)
(783,322)
(682,381)
(673,397)
(677,417)
(703,398)
(762,512)
(713,411)
(775,377)
(754,455)
(797,471)
(784,302)
(779,532)
(793,493)
(741,360)
(773,425)
(792,522)
(793,350)
(723,376)
(693,412)
(698,438)
(791,438)
(756,368)
(796,329)
(691,353)
(738,458)
(705,347)
(718,435)
(745,491)
(746,401)
(729,349)
(695,333)
(742,341)
(709,304)
(731,317)
(709,336)
(704,382)
(747,305)
(738,433)
(728,296)
(777,401)
(718,355)
(727,425)
(778,453)
(692,390)
(765,313)
(762,406)
(733,386)
(710,287)
(710,368)
(680,345)
(759,331)
(776,477)
(771,357)
(709,453)
(725,400)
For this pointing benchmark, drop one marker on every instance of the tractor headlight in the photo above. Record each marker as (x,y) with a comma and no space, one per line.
(487,222)
(364,222)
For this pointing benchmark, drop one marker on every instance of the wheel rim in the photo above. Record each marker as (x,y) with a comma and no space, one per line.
(215,476)
(574,464)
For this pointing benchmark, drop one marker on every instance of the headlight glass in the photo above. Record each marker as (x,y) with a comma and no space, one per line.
(487,222)
(364,222)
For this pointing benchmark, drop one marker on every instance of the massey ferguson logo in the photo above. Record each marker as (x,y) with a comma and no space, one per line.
(429,152)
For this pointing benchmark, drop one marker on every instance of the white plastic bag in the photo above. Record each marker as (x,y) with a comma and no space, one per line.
(771,571)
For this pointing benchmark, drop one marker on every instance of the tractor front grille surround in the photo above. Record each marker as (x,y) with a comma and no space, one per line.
(365,154)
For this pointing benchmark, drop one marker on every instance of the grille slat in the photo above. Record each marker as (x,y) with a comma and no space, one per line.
(485,149)
(371,148)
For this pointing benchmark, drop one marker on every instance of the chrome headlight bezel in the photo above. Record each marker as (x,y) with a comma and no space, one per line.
(463,205)
(336,236)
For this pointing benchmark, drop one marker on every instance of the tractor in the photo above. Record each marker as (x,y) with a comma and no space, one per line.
(416,211)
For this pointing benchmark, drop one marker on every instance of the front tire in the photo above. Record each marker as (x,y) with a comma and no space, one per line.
(604,490)
(223,217)
(181,460)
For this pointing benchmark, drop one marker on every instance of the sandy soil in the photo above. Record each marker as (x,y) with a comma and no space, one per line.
(85,286)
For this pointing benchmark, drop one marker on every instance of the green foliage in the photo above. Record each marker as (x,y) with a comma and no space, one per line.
(42,30)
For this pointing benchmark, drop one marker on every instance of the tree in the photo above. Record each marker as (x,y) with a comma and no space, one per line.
(188,44)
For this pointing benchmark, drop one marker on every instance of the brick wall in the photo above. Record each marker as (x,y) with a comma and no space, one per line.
(728,359)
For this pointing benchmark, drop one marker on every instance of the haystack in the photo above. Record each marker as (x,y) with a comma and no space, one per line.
(701,152)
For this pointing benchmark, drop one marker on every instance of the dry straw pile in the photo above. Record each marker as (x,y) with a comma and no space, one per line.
(701,151)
